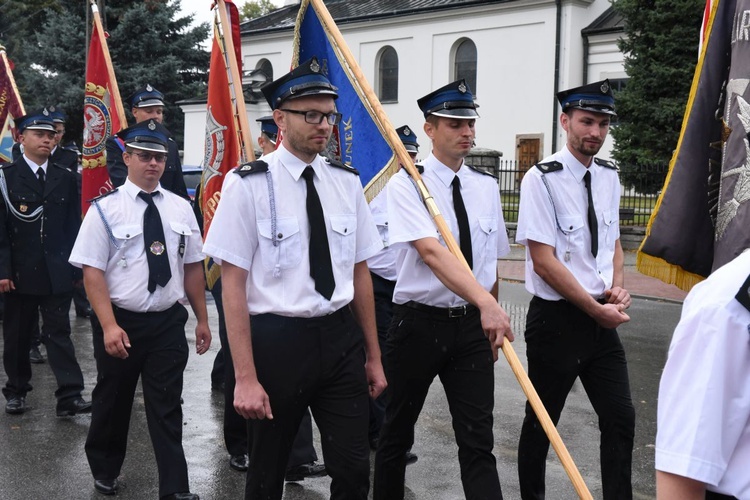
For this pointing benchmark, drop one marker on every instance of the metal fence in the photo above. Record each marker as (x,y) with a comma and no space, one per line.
(641,186)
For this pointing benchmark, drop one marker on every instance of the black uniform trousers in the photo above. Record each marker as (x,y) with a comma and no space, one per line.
(383,291)
(317,363)
(158,356)
(422,345)
(21,317)
(564,343)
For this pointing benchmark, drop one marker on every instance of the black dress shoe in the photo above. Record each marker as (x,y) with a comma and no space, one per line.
(411,458)
(181,496)
(300,472)
(73,407)
(35,356)
(15,405)
(107,486)
(239,462)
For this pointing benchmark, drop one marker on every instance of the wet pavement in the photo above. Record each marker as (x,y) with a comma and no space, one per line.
(42,456)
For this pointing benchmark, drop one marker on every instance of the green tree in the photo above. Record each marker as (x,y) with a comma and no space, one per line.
(255,8)
(661,50)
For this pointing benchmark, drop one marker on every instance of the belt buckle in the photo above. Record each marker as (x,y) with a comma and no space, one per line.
(457,312)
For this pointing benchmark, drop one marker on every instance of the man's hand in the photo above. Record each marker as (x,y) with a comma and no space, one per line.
(375,377)
(251,401)
(7,285)
(618,295)
(496,325)
(202,338)
(611,315)
(116,342)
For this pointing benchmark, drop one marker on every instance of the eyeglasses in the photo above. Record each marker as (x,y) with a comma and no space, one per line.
(316,117)
(147,157)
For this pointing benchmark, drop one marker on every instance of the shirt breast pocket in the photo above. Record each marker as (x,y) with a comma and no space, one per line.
(287,253)
(179,236)
(343,239)
(129,241)
(381,221)
(488,236)
(24,203)
(572,228)
(611,222)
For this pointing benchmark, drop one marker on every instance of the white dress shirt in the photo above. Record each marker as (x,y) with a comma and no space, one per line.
(118,249)
(703,426)
(279,279)
(384,262)
(410,221)
(558,218)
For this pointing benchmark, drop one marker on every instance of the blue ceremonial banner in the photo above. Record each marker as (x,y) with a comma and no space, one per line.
(6,142)
(359,140)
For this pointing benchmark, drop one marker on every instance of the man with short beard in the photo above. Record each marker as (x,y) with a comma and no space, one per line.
(568,220)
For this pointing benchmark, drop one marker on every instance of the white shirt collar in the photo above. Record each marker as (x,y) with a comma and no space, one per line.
(577,168)
(34,166)
(132,190)
(442,171)
(292,164)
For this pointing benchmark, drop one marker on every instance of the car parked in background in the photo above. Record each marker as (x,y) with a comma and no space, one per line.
(192,176)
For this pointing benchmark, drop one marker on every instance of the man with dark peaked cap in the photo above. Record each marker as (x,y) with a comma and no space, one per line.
(446,322)
(269,134)
(147,103)
(295,274)
(39,220)
(140,250)
(568,219)
(383,270)
(303,457)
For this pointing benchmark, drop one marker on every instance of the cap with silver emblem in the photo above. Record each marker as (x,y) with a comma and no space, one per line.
(596,97)
(451,101)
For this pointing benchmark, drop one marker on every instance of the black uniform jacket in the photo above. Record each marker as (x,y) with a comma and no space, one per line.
(171,178)
(35,254)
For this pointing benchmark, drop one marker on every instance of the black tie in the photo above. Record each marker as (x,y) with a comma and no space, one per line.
(464,233)
(321,270)
(40,176)
(156,246)
(593,225)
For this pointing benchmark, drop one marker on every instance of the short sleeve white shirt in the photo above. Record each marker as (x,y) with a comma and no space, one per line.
(382,263)
(703,418)
(410,221)
(275,250)
(558,217)
(117,247)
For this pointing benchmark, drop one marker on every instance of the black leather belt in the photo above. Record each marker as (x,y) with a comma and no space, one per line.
(445,312)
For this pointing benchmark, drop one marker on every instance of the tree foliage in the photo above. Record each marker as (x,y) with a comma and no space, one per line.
(255,8)
(661,50)
(148,43)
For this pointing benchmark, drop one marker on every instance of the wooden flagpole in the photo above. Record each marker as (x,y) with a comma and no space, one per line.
(510,354)
(6,63)
(240,112)
(114,91)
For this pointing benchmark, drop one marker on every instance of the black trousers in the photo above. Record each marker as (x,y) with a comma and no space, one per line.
(317,363)
(383,290)
(562,344)
(21,318)
(420,346)
(235,427)
(158,356)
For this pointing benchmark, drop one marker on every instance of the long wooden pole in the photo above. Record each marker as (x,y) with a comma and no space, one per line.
(510,354)
(8,72)
(235,85)
(114,91)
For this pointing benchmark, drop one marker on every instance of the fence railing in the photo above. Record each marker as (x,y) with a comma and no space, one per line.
(641,186)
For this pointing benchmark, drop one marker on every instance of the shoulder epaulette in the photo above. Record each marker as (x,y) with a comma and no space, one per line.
(92,200)
(482,171)
(743,296)
(338,164)
(252,167)
(605,163)
(419,167)
(4,165)
(549,167)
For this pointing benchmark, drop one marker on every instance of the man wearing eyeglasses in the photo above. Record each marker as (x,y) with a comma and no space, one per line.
(39,221)
(294,273)
(140,250)
(147,103)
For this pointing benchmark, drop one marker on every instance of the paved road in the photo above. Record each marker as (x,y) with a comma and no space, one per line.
(41,456)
